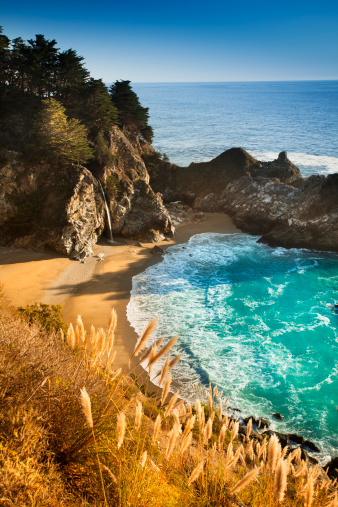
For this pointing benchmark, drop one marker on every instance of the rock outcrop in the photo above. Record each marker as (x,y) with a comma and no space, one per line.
(63,208)
(270,199)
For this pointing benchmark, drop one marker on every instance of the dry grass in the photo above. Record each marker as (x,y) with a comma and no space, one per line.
(74,432)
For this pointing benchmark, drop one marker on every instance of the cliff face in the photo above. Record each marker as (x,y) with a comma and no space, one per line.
(264,198)
(63,208)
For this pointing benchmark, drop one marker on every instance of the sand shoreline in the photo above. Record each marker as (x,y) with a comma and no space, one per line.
(92,289)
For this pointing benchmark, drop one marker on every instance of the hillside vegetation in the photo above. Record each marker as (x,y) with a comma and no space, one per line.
(74,432)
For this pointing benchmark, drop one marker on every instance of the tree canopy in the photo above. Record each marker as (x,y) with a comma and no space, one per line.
(36,70)
(132,116)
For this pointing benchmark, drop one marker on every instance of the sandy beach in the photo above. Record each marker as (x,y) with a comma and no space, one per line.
(93,288)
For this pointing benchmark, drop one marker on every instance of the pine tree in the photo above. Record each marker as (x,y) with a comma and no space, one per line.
(132,116)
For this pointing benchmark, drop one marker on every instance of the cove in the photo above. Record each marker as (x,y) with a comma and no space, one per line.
(256,321)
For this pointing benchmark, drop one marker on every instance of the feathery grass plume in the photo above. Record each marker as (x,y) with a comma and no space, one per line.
(71,336)
(80,325)
(273,452)
(234,431)
(174,361)
(112,322)
(214,392)
(110,343)
(145,336)
(220,410)
(186,443)
(175,415)
(110,473)
(250,476)
(138,415)
(225,421)
(207,431)
(156,429)
(92,338)
(143,459)
(110,360)
(87,407)
(164,370)
(172,439)
(171,404)
(230,452)
(198,408)
(77,336)
(302,470)
(101,341)
(221,437)
(166,348)
(201,421)
(309,492)
(248,429)
(258,450)
(121,428)
(189,426)
(249,450)
(264,448)
(196,472)
(280,480)
(166,389)
(210,404)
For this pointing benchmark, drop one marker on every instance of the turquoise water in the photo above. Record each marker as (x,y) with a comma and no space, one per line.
(255,321)
(195,122)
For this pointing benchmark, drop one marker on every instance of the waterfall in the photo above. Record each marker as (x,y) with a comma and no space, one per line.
(107,210)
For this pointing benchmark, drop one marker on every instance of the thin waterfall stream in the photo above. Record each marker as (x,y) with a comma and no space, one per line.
(107,211)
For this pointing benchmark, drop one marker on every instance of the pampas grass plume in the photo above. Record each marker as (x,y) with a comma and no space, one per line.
(250,476)
(121,428)
(87,407)
(196,472)
(280,480)
(157,427)
(166,389)
(309,492)
(145,336)
(138,415)
(143,459)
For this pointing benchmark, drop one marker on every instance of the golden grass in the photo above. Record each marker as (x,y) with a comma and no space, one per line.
(75,432)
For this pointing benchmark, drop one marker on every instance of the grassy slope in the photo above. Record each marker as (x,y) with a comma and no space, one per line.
(49,456)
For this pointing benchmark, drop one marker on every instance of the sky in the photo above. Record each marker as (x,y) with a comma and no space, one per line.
(185,40)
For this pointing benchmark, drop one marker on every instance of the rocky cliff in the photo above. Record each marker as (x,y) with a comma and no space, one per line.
(63,208)
(270,199)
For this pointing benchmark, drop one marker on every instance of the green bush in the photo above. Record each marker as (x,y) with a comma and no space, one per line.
(49,316)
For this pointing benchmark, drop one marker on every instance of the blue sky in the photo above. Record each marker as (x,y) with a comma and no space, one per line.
(214,40)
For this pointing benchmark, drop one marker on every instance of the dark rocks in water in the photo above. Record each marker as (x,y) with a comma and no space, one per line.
(278,416)
(283,439)
(332,468)
(296,438)
(157,250)
(310,445)
(306,457)
(259,422)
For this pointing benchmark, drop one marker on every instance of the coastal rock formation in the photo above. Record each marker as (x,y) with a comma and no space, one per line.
(63,208)
(136,211)
(270,199)
(60,210)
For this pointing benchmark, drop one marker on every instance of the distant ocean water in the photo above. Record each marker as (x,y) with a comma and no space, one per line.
(195,122)
(257,322)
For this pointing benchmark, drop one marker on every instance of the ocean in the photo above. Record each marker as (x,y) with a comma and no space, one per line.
(256,321)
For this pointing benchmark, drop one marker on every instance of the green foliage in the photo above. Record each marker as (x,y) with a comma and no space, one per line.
(132,116)
(60,139)
(49,316)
